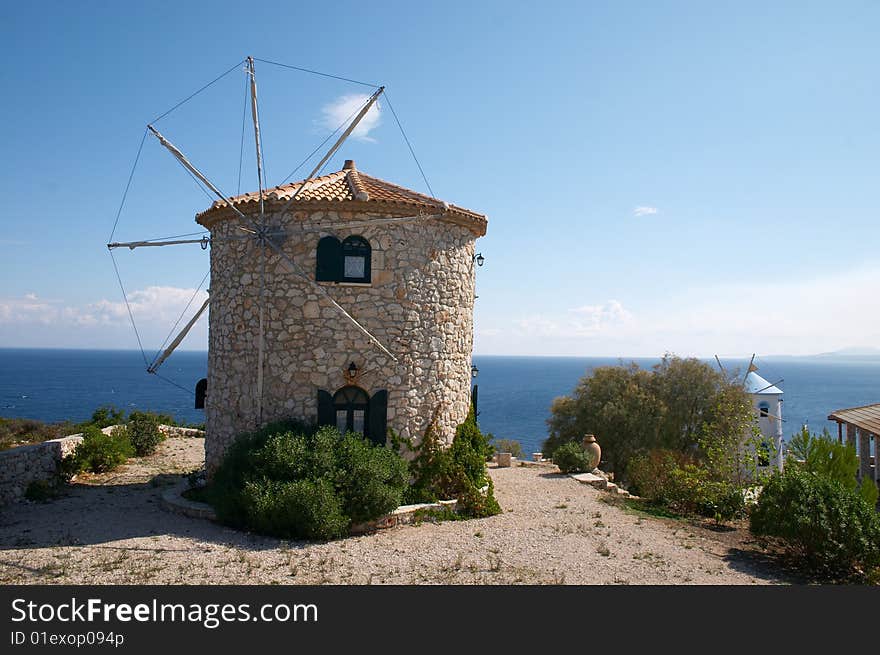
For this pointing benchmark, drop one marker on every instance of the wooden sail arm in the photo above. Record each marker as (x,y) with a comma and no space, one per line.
(171,347)
(131,245)
(205,241)
(195,171)
(255,114)
(354,123)
(297,270)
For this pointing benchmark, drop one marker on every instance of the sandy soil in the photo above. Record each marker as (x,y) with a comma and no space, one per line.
(110,529)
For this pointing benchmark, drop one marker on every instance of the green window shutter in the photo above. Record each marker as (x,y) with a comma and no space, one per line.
(378,417)
(328,267)
(326,413)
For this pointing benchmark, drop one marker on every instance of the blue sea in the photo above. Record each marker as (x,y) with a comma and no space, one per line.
(514,392)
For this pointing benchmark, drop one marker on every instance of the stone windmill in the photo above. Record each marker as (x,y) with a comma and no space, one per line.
(342,299)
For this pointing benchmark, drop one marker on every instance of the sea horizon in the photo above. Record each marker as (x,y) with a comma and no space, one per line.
(839,354)
(515,391)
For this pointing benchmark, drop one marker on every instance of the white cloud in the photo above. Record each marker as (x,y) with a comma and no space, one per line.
(344,109)
(155,309)
(644,210)
(155,304)
(776,316)
(579,322)
(28,309)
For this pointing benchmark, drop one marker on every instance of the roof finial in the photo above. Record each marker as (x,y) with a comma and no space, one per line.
(349,165)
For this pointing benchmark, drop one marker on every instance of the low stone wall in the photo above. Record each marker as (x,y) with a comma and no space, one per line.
(175,431)
(25,464)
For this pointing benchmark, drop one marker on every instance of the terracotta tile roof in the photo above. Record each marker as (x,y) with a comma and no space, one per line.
(359,190)
(866,418)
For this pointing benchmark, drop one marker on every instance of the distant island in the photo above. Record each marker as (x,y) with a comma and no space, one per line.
(856,351)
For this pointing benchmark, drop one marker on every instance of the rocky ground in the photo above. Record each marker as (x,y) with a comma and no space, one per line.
(110,529)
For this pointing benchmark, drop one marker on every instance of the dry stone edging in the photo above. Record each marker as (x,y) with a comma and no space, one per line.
(601,482)
(172,500)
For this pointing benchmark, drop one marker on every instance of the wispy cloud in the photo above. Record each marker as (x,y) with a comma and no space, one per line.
(155,304)
(344,108)
(796,316)
(645,210)
(28,309)
(156,307)
(579,322)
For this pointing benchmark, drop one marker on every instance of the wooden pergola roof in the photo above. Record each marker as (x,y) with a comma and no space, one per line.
(866,418)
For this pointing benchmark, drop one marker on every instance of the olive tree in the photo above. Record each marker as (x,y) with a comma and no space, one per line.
(682,405)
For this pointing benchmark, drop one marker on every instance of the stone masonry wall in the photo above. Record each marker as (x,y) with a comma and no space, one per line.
(419,305)
(24,464)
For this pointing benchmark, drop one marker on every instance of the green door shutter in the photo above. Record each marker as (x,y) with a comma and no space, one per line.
(326,415)
(378,417)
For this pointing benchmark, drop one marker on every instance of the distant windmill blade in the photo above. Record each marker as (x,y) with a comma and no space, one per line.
(780,381)
(751,368)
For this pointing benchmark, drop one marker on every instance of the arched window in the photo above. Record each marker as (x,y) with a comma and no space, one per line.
(764,409)
(351,405)
(351,410)
(356,256)
(345,261)
(201,393)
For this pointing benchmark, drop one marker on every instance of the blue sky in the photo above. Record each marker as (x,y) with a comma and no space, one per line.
(685,176)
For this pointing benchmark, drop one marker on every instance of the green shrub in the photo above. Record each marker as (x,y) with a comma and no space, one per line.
(309,509)
(459,471)
(508,446)
(869,492)
(676,481)
(692,491)
(144,433)
(826,526)
(570,457)
(20,431)
(42,491)
(99,452)
(107,415)
(293,481)
(830,460)
(651,473)
(69,466)
(373,479)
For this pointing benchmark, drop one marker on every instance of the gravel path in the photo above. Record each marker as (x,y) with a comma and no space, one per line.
(110,529)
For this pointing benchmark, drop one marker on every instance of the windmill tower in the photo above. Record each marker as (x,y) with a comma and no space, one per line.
(340,299)
(366,314)
(767,401)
